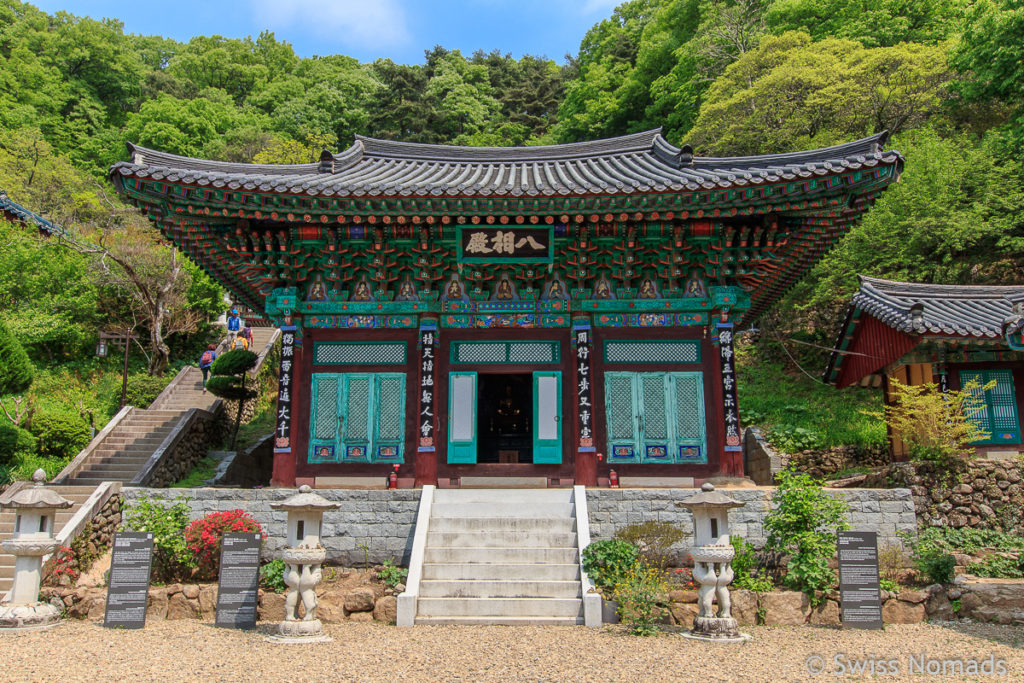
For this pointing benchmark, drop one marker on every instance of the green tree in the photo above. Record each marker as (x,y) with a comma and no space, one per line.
(873,23)
(16,374)
(228,381)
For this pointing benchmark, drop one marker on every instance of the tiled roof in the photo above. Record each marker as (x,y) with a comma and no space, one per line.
(954,310)
(17,212)
(638,163)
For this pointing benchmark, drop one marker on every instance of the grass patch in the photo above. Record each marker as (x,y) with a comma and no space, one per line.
(798,412)
(203,471)
(263,422)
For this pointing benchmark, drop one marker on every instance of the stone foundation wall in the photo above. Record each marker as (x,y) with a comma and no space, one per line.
(988,495)
(822,463)
(760,462)
(190,448)
(101,529)
(380,520)
(888,512)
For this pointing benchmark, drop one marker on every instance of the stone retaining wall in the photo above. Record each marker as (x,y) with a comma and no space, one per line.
(760,462)
(101,529)
(888,512)
(380,520)
(202,430)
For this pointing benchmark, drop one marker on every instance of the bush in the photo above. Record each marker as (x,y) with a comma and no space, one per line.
(642,592)
(16,370)
(172,559)
(936,565)
(14,443)
(392,575)
(204,536)
(142,390)
(61,569)
(804,523)
(272,576)
(25,466)
(61,435)
(744,568)
(607,562)
(654,540)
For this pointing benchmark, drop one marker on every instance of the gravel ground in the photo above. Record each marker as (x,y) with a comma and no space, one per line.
(198,651)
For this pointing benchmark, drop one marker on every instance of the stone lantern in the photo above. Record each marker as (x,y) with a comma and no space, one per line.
(303,556)
(712,565)
(35,513)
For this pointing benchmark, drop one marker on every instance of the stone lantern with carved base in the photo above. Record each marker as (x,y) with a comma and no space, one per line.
(303,557)
(35,513)
(712,565)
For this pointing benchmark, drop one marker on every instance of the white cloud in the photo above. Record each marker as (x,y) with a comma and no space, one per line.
(359,22)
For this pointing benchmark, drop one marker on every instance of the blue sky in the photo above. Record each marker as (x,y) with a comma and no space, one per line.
(364,29)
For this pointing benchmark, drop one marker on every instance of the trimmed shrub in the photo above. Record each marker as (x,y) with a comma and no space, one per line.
(607,562)
(16,370)
(205,535)
(61,435)
(15,442)
(654,540)
(142,390)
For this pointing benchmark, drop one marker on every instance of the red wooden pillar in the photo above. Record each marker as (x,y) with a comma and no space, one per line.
(585,462)
(285,453)
(426,407)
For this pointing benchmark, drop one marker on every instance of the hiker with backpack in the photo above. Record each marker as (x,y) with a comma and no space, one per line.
(206,360)
(234,324)
(247,333)
(240,342)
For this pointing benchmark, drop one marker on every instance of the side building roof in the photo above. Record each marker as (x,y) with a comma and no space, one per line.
(952,311)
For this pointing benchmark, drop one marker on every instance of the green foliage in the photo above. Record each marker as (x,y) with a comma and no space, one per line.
(641,592)
(607,562)
(61,435)
(201,472)
(931,551)
(653,540)
(935,564)
(889,585)
(873,23)
(205,536)
(804,523)
(167,522)
(272,576)
(998,567)
(15,443)
(16,370)
(233,363)
(24,466)
(392,575)
(143,389)
(744,568)
(969,540)
(790,439)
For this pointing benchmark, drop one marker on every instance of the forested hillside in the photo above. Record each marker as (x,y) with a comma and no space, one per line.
(730,77)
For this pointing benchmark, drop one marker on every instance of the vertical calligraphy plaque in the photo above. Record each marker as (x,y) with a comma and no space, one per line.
(584,385)
(730,402)
(238,583)
(426,428)
(128,588)
(283,432)
(859,590)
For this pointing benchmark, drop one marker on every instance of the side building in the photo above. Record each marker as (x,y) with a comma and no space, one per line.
(549,314)
(941,334)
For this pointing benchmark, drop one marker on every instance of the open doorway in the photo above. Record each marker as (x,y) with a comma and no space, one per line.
(504,416)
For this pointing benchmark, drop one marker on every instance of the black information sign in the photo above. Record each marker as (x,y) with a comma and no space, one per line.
(283,433)
(238,584)
(730,404)
(128,590)
(504,244)
(584,407)
(428,337)
(859,591)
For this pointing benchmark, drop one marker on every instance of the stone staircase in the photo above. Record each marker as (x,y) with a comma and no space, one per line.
(76,494)
(126,448)
(501,556)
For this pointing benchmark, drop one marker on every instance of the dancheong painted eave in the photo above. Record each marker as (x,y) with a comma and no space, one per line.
(632,164)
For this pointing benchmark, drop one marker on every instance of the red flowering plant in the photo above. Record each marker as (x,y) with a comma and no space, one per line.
(61,569)
(203,537)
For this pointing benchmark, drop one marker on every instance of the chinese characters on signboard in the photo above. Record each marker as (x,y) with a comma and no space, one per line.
(427,340)
(730,405)
(585,409)
(283,433)
(487,244)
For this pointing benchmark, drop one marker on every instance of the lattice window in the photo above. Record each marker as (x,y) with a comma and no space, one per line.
(999,415)
(652,352)
(689,407)
(326,410)
(390,408)
(357,353)
(504,352)
(357,401)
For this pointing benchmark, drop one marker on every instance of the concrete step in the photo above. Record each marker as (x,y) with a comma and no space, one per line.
(500,607)
(500,555)
(500,589)
(103,474)
(557,525)
(499,621)
(501,572)
(144,441)
(505,510)
(502,496)
(487,538)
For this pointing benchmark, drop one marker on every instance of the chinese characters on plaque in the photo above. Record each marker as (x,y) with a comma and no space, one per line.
(730,405)
(426,429)
(485,244)
(583,386)
(282,435)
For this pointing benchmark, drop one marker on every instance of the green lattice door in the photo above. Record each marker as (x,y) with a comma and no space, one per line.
(655,417)
(547,418)
(357,417)
(999,417)
(462,427)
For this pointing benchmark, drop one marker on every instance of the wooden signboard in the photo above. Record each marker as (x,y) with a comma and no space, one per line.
(238,584)
(859,590)
(128,589)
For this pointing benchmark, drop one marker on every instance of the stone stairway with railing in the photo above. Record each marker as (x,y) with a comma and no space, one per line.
(501,556)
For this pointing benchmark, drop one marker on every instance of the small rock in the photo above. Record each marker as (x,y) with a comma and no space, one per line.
(361,616)
(915,597)
(386,609)
(683,613)
(785,608)
(826,614)
(899,612)
(360,600)
(682,596)
(156,607)
(208,601)
(191,591)
(399,588)
(180,607)
(744,607)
